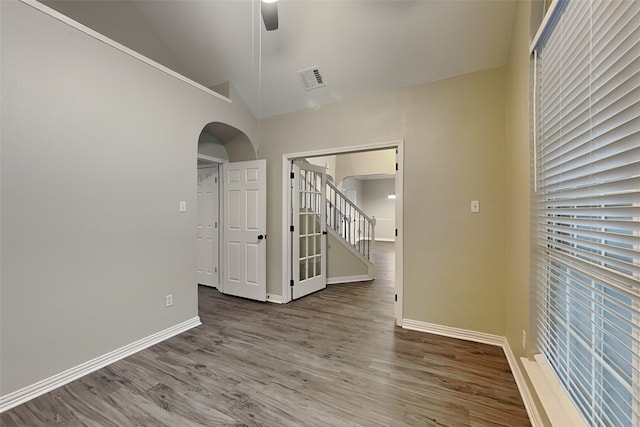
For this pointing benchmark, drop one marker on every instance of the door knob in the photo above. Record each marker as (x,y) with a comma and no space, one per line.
(260,237)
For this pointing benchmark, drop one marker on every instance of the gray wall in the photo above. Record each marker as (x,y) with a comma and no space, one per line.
(123,22)
(209,145)
(98,148)
(375,202)
(352,188)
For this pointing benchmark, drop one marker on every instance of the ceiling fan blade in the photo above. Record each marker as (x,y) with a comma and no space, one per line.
(269,15)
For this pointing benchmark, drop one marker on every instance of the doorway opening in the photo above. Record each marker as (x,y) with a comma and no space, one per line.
(287,216)
(207,230)
(231,251)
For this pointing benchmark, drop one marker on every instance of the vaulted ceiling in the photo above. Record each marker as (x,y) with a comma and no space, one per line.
(360,46)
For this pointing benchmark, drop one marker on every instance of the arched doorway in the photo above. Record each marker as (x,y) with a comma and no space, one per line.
(231,223)
(226,140)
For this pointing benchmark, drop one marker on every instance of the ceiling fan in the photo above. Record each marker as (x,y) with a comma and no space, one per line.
(269,9)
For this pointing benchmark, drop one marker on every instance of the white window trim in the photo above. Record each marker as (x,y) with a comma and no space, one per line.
(554,398)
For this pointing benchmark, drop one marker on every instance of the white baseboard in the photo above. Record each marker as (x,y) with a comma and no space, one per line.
(27,393)
(449,331)
(275,298)
(484,338)
(348,279)
(521,382)
(385,239)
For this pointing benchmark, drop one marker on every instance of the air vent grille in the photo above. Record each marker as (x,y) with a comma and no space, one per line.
(311,78)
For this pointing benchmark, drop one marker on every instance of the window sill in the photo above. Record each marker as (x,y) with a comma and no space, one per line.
(555,400)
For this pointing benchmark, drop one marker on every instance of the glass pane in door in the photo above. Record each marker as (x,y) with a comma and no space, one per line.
(310,198)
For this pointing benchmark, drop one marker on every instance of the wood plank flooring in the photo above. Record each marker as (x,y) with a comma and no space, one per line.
(334,358)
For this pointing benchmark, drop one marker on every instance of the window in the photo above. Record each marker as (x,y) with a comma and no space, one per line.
(587,125)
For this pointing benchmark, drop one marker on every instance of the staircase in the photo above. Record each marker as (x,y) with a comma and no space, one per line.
(350,244)
(350,223)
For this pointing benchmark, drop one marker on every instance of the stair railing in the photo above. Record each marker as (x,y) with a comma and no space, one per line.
(350,222)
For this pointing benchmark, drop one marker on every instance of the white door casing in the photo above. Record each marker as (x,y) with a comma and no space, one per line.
(399,231)
(244,253)
(207,229)
(309,245)
(399,244)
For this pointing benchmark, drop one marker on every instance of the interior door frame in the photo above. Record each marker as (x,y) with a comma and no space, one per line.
(219,161)
(287,203)
(216,215)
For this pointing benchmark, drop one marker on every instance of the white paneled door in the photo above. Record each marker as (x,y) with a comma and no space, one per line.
(207,230)
(310,229)
(244,229)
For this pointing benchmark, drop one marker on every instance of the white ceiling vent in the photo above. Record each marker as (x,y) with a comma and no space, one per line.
(311,78)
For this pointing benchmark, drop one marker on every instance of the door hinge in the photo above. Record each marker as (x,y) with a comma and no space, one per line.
(291,228)
(293,175)
(396,232)
(291,282)
(215,269)
(396,297)
(396,166)
(215,224)
(215,180)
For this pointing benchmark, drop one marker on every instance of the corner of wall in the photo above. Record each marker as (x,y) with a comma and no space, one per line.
(518,295)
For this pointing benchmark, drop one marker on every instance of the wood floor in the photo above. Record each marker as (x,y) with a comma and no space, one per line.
(334,358)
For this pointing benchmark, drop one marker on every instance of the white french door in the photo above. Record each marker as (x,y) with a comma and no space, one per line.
(207,229)
(309,235)
(244,229)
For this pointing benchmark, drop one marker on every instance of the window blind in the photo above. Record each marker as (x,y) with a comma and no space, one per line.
(587,127)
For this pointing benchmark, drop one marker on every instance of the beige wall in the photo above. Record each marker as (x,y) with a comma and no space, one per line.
(518,184)
(366,163)
(454,133)
(328,162)
(518,295)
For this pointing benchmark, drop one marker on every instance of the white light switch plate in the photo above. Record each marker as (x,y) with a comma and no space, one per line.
(183,206)
(475,206)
